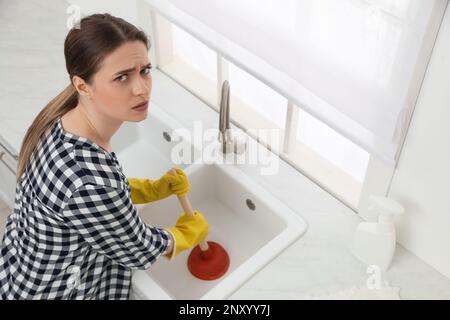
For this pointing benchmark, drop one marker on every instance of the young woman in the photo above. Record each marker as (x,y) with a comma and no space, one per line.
(75,232)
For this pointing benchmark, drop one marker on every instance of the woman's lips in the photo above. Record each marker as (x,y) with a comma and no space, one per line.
(141,107)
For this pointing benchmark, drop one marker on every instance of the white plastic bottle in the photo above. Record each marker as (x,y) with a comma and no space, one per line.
(374,242)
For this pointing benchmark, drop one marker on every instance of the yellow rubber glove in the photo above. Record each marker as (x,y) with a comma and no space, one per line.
(147,190)
(188,232)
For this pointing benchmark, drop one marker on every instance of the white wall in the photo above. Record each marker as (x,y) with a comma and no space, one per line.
(125,9)
(422,180)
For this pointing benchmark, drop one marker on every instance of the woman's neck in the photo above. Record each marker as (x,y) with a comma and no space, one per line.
(91,125)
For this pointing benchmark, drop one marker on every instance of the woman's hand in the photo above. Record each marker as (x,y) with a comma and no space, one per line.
(188,232)
(170,184)
(147,190)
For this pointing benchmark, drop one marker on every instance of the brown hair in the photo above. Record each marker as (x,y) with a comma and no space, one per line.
(85,47)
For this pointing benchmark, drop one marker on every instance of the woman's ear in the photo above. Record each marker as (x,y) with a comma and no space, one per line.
(81,86)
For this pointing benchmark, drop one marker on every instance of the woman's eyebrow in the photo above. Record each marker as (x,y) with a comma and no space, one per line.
(131,69)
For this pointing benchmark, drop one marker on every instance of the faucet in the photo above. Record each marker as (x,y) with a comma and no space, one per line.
(228,143)
(224,117)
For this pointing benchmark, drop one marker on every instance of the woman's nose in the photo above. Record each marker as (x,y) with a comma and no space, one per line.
(141,87)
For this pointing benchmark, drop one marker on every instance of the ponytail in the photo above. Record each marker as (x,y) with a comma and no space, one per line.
(61,104)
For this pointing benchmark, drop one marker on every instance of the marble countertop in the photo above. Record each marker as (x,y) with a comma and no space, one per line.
(319,262)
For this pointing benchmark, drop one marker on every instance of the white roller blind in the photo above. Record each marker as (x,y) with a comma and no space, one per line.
(357,65)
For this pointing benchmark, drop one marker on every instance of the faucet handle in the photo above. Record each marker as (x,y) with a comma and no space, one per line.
(239,146)
(231,143)
(226,141)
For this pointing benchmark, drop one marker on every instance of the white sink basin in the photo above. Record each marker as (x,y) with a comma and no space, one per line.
(252,238)
(144,148)
(224,194)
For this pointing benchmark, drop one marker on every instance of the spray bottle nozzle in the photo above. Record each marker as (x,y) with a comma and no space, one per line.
(385,208)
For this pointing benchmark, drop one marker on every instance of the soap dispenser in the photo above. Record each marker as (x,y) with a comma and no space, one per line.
(374,242)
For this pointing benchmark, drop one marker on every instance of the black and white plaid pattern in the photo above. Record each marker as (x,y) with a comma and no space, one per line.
(74,232)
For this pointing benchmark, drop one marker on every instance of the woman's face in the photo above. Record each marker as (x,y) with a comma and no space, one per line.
(122,82)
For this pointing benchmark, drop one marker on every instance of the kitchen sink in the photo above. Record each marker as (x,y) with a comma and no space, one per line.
(247,220)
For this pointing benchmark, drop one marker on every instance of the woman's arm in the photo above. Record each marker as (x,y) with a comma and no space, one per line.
(108,221)
(142,190)
(147,190)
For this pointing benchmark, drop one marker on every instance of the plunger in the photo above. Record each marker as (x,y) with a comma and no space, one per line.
(208,260)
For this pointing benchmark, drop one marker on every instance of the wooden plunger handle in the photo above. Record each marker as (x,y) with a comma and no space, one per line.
(186,205)
(187,208)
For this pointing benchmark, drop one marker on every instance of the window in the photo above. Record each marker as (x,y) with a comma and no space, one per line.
(335,162)
(310,146)
(187,60)
(332,146)
(256,106)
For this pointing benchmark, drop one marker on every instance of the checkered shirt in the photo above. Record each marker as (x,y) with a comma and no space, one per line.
(74,232)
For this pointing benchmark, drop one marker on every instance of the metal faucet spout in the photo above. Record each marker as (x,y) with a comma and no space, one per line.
(229,143)
(224,117)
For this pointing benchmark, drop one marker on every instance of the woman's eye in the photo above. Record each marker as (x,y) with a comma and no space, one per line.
(146,70)
(122,78)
